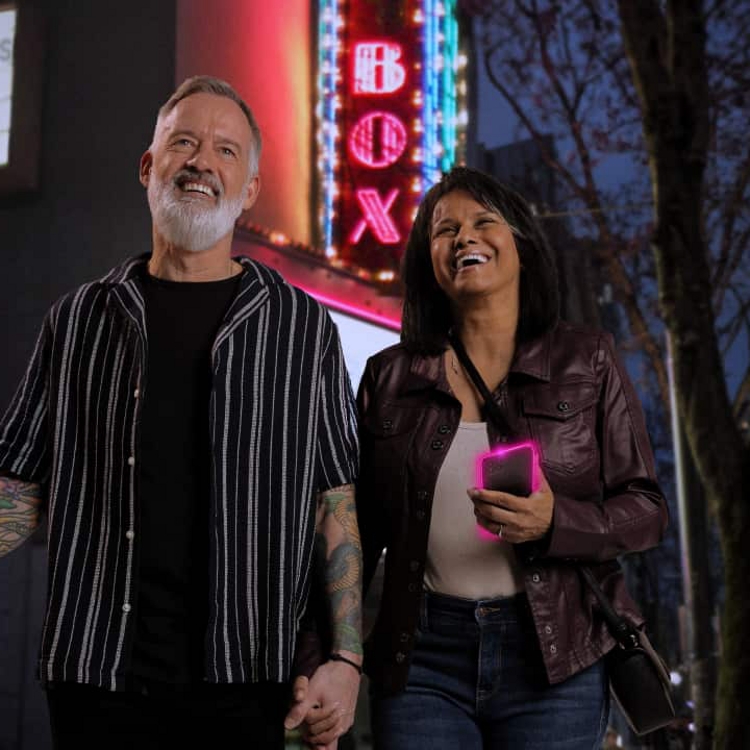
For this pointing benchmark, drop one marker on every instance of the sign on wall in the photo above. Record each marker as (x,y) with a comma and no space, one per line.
(7,35)
(389,85)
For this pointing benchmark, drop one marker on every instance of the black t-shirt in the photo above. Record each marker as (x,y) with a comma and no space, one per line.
(173,453)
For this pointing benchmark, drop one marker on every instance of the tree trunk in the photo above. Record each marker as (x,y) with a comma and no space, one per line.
(667,58)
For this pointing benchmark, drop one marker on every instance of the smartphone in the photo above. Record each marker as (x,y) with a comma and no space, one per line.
(508,469)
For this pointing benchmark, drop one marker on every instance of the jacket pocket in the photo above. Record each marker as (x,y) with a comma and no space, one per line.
(561,420)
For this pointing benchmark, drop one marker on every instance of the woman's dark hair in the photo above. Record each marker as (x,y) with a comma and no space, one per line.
(427,313)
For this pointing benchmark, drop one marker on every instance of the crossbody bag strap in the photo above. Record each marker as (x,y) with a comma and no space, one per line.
(491,408)
(620,628)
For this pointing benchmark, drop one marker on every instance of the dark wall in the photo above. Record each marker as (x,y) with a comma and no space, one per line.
(108,67)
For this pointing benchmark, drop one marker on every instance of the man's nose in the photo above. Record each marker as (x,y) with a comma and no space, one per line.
(200,159)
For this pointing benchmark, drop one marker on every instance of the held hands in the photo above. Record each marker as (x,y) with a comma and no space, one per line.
(515,519)
(325,703)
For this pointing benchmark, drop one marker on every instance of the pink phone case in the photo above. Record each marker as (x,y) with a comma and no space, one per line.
(508,469)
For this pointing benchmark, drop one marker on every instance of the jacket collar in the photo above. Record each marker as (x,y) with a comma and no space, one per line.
(532,358)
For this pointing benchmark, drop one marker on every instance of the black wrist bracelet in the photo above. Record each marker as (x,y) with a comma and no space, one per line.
(339,657)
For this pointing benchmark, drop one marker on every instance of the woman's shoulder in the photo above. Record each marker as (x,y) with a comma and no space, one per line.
(577,348)
(576,337)
(392,353)
(396,356)
(565,331)
(399,366)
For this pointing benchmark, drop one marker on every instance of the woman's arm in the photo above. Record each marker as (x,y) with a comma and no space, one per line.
(631,514)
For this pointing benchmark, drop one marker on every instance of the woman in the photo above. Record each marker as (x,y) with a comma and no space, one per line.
(491,640)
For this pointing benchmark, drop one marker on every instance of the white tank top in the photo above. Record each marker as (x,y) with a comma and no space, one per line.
(463,559)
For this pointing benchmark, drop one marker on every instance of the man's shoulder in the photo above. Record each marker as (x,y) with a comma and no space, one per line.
(80,298)
(260,273)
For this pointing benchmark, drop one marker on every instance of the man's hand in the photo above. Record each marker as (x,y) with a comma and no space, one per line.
(326,704)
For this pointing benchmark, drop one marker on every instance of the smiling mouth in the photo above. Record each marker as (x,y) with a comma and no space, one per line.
(468,260)
(198,187)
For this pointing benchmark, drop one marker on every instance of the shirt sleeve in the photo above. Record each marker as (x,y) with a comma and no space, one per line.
(24,434)
(338,449)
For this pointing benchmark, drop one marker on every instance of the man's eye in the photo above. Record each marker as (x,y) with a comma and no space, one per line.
(227,152)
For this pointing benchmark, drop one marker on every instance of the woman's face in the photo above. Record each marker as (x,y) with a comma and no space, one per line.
(472,249)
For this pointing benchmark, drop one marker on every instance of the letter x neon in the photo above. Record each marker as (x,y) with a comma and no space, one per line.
(375,215)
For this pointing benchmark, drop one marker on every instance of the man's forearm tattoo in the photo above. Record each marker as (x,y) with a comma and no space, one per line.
(339,544)
(19,512)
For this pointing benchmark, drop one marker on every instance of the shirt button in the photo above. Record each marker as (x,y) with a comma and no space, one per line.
(130,534)
(412,587)
(436,445)
(131,460)
(422,495)
(548,629)
(421,515)
(137,393)
(536,578)
(400,657)
(404,637)
(126,608)
(414,566)
(387,424)
(563,406)
(444,429)
(553,649)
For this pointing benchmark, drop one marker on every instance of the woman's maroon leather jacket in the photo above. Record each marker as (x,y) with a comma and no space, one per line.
(567,391)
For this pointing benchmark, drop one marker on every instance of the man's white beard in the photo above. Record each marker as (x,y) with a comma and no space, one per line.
(186,223)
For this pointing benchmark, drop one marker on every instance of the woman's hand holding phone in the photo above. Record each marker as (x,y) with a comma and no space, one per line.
(515,517)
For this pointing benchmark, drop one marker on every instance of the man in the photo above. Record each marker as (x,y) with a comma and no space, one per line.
(187,424)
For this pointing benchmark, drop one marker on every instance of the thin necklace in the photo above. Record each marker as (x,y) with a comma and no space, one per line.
(454,364)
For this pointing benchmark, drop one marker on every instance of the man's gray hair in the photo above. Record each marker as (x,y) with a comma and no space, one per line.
(211,85)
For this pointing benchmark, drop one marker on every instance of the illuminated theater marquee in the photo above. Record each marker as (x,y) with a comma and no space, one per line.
(387,123)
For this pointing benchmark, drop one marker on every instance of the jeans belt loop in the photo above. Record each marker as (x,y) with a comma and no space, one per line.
(424,621)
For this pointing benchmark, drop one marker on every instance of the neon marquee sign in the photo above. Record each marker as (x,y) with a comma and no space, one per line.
(387,122)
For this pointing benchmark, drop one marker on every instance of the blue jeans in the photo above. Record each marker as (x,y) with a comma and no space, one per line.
(477,682)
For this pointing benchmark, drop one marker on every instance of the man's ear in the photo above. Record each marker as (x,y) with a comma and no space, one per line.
(251,195)
(144,170)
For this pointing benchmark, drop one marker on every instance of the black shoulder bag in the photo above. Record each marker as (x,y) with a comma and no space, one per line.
(638,677)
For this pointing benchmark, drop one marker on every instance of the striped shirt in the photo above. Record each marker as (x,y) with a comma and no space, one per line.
(283,428)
